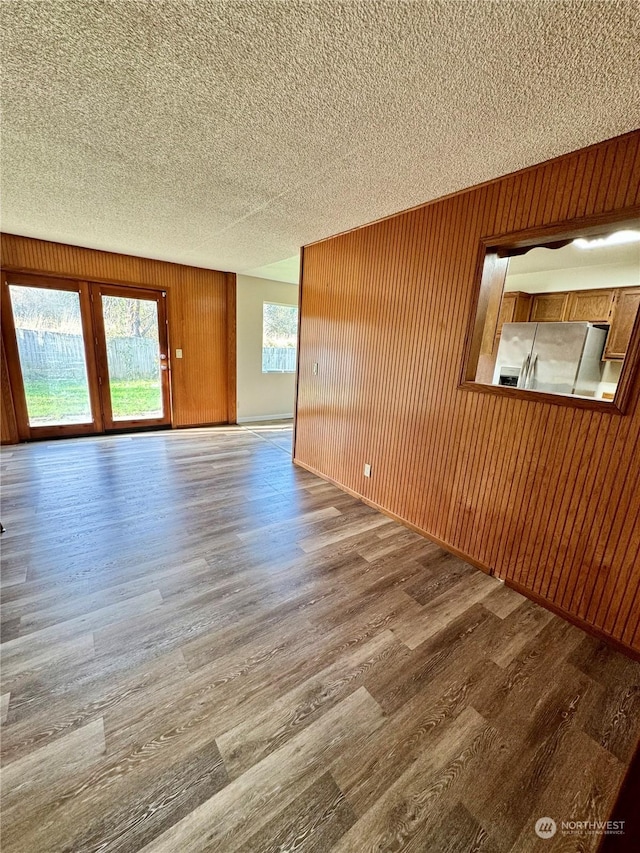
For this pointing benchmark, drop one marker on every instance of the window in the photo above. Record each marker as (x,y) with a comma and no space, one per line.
(556,315)
(279,337)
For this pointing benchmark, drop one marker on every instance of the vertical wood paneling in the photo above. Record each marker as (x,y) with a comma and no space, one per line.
(200,321)
(8,426)
(197,326)
(232,343)
(547,497)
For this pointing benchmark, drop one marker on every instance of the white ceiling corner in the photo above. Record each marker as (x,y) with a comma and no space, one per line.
(287,270)
(227,134)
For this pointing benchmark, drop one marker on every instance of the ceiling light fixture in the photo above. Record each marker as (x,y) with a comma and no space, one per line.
(617,239)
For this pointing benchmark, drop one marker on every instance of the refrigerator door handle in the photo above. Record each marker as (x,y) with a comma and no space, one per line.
(530,371)
(524,370)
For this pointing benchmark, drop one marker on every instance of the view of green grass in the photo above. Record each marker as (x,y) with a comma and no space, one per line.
(136,397)
(68,402)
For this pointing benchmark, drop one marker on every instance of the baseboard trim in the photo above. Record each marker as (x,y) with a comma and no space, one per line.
(440,542)
(587,627)
(253,418)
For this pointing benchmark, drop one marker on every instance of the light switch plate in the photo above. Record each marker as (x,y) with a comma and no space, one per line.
(178,353)
(367,469)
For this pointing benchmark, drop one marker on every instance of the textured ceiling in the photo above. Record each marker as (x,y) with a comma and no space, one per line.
(227,134)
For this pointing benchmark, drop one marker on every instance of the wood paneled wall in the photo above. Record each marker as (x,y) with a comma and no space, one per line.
(545,496)
(201,314)
(8,426)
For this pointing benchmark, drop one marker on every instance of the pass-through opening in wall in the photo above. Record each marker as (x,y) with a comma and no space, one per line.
(557,315)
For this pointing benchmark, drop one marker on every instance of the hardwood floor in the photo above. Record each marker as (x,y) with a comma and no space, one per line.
(206,648)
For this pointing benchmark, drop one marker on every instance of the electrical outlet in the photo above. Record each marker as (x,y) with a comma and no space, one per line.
(315,368)
(367,469)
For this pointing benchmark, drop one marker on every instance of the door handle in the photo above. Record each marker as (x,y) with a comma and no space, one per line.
(530,371)
(524,370)
(164,367)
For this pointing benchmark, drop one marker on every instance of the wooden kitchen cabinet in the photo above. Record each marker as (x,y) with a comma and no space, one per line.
(514,308)
(549,307)
(615,306)
(592,306)
(625,308)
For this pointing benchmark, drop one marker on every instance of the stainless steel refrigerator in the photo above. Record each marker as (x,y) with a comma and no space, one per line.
(559,358)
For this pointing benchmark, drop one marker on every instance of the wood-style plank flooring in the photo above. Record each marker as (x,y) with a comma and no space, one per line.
(207,648)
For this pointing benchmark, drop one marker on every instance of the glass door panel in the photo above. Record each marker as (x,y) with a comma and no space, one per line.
(52,354)
(133,358)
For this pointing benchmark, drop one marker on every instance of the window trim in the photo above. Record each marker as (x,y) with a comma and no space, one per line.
(486,281)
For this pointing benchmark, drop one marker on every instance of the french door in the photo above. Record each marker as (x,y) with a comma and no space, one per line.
(83,357)
(132,356)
